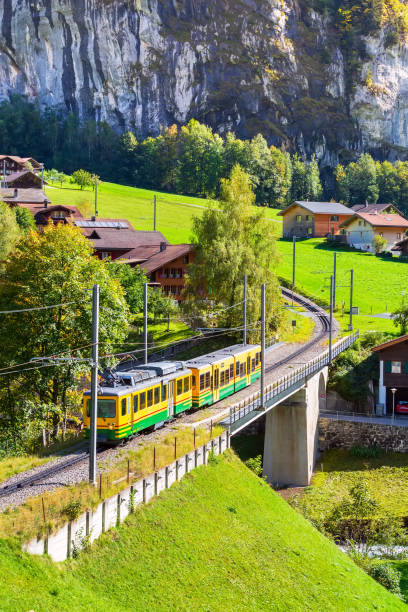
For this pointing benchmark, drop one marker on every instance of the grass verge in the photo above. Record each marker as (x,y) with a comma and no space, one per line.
(219,540)
(30,520)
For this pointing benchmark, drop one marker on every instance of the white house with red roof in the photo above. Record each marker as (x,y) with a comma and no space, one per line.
(361,229)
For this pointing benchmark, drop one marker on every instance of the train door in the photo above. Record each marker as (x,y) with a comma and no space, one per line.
(216,383)
(170,396)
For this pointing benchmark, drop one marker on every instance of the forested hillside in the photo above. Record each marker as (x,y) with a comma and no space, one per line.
(323,77)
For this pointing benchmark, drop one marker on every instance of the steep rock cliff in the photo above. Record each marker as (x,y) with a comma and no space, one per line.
(274,66)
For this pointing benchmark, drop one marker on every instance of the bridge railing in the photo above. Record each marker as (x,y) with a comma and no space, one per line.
(290,382)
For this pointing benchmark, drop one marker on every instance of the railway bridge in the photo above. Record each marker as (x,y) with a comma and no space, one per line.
(291,409)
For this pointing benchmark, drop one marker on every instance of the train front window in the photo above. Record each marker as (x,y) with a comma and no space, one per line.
(106,408)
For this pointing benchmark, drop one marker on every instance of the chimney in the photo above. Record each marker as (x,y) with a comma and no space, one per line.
(15,193)
(163,246)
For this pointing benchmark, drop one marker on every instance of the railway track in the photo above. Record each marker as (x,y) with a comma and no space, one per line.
(319,313)
(53,470)
(35,479)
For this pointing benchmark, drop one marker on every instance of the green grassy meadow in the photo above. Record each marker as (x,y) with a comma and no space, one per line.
(174,213)
(386,475)
(378,283)
(221,539)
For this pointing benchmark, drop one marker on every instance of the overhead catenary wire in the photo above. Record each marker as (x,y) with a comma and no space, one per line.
(36,308)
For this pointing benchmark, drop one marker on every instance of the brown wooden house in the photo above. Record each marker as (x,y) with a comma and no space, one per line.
(313,219)
(393,357)
(169,266)
(10,164)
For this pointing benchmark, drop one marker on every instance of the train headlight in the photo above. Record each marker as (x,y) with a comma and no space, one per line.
(110,426)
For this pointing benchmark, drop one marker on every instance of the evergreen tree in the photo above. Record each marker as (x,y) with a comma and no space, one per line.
(357,183)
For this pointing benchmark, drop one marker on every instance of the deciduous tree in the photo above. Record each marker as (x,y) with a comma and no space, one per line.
(231,242)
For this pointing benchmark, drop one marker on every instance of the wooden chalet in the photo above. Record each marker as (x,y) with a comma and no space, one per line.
(313,219)
(36,201)
(25,179)
(9,164)
(169,266)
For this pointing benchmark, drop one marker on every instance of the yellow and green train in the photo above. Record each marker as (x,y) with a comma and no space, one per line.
(151,394)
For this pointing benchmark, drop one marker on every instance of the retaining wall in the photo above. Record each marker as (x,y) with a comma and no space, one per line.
(346,434)
(112,511)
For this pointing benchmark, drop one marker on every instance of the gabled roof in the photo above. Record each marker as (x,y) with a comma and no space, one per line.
(378,208)
(29,195)
(21,160)
(26,174)
(389,343)
(117,234)
(162,258)
(40,211)
(324,208)
(377,220)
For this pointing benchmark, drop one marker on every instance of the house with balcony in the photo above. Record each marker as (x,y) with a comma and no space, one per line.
(313,219)
(362,227)
(10,164)
(169,267)
(36,201)
(393,370)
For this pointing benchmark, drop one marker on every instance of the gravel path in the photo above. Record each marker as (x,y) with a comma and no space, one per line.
(109,456)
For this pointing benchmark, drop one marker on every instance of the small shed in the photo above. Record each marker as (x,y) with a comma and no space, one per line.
(393,358)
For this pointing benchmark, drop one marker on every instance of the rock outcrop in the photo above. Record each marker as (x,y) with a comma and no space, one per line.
(270,66)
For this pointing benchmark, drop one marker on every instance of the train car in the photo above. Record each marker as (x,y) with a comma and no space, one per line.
(247,363)
(140,398)
(213,378)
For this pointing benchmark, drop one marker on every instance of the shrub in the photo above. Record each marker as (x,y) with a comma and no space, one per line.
(255,464)
(367,452)
(72,510)
(388,576)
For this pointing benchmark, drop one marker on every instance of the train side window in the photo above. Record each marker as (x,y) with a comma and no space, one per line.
(226,377)
(143,400)
(156,395)
(150,398)
(232,370)
(242,369)
(135,403)
(164,393)
(179,387)
(123,403)
(186,384)
(222,378)
(237,368)
(207,380)
(253,364)
(202,381)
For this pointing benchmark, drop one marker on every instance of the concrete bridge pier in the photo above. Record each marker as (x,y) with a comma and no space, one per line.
(291,434)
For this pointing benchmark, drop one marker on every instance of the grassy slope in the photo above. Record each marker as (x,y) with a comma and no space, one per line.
(314,260)
(377,282)
(174,212)
(386,476)
(220,540)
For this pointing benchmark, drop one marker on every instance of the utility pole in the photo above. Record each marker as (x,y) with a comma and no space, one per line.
(351,301)
(4,174)
(293,266)
(154,214)
(42,176)
(263,346)
(331,319)
(96,198)
(94,385)
(334,278)
(244,338)
(145,321)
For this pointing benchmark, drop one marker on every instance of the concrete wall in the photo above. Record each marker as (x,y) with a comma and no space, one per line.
(291,434)
(110,512)
(346,434)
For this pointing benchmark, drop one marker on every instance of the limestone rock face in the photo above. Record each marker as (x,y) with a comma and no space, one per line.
(270,66)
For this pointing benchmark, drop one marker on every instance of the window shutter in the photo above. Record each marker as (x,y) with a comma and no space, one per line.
(406,367)
(388,367)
